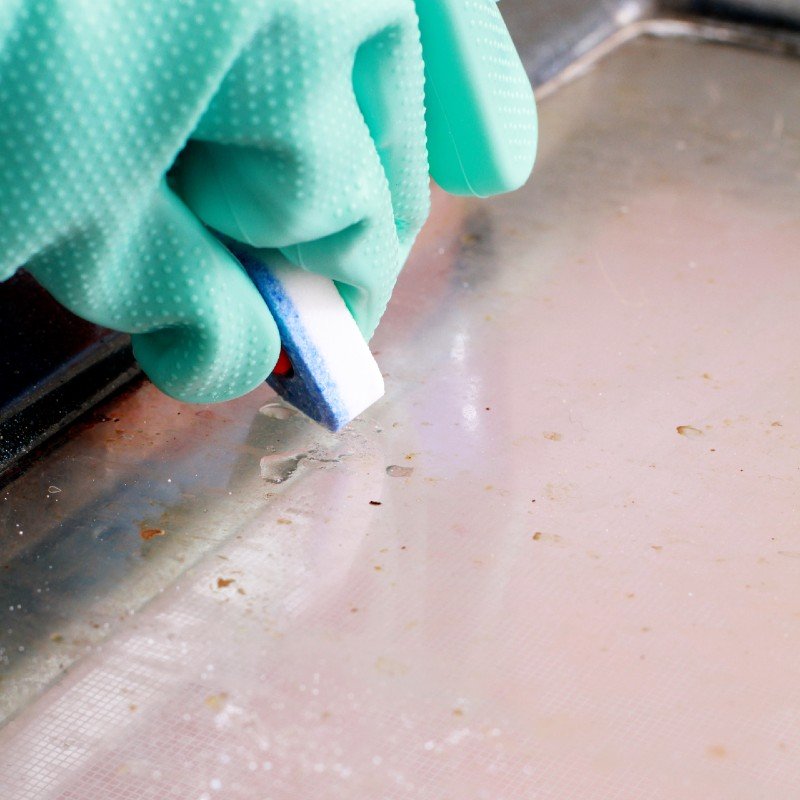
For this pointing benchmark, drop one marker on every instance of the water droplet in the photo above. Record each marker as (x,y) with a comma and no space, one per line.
(396,471)
(277,411)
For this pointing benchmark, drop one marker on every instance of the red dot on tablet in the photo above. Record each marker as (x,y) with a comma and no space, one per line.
(283,368)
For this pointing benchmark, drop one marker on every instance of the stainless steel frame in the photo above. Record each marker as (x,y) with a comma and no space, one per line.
(558,561)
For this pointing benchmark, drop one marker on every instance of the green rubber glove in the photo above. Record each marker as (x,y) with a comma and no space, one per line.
(296,124)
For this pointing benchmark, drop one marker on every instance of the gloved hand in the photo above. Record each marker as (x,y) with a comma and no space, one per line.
(296,124)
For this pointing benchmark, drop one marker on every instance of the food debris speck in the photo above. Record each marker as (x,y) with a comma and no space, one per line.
(689,431)
(375,503)
(151,533)
(57,638)
(388,666)
(223,582)
(216,701)
(553,436)
(551,538)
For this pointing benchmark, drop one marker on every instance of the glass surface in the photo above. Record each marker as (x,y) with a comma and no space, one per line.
(559,560)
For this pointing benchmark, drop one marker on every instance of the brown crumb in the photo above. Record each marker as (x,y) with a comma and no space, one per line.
(284,521)
(689,431)
(553,436)
(552,538)
(375,503)
(716,751)
(151,533)
(223,582)
(457,712)
(216,701)
(133,706)
(56,637)
(354,610)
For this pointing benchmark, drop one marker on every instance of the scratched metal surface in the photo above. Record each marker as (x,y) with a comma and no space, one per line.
(560,560)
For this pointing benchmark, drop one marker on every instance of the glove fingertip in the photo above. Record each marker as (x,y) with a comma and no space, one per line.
(197,366)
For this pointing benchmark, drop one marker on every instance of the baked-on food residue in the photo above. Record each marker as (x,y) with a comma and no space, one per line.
(689,431)
(151,533)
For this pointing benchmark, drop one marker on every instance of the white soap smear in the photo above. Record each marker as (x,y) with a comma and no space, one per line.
(280,467)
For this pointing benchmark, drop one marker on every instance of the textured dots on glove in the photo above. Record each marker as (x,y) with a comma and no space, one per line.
(296,124)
